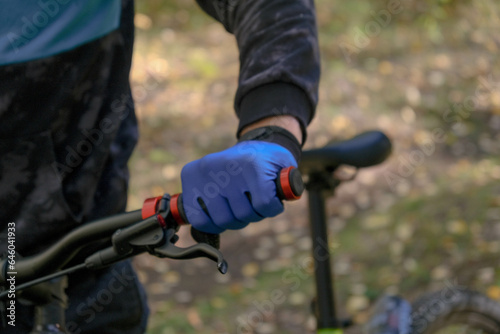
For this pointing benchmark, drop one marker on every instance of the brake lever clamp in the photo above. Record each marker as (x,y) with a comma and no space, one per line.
(169,250)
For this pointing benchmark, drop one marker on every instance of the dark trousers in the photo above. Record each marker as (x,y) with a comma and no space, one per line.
(109,301)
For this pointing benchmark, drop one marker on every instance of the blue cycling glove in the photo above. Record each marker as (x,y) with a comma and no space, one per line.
(230,189)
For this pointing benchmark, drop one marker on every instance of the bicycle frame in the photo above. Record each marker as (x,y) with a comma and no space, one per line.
(50,309)
(364,150)
(319,186)
(391,314)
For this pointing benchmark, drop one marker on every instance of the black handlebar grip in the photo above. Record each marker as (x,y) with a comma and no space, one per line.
(177,210)
(208,238)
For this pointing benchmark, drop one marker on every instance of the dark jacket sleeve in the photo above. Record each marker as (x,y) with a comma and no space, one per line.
(279,58)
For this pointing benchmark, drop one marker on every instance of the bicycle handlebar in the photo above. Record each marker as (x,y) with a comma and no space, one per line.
(289,187)
(60,253)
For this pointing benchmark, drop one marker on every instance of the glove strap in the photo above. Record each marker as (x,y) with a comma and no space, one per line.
(277,135)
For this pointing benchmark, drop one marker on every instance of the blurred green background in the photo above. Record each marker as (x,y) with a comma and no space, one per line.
(428,217)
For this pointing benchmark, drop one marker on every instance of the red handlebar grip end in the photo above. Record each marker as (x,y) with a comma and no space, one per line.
(150,206)
(174,209)
(291,184)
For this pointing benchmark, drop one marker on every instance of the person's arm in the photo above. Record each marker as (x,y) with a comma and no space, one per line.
(279,58)
(275,101)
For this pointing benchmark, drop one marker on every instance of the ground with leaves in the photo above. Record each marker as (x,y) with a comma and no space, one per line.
(429,77)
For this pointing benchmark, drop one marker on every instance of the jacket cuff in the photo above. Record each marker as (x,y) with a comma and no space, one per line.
(275,99)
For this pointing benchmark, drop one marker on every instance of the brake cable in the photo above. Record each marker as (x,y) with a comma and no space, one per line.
(43,279)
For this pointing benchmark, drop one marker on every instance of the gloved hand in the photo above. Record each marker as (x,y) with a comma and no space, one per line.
(230,189)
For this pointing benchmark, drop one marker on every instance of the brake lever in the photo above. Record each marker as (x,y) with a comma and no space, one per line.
(168,249)
(156,234)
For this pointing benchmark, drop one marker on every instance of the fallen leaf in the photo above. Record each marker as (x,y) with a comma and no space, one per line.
(250,269)
(194,318)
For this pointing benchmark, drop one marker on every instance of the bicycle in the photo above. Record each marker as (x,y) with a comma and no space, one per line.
(153,229)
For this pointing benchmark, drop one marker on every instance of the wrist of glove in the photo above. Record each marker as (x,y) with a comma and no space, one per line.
(277,135)
(232,188)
